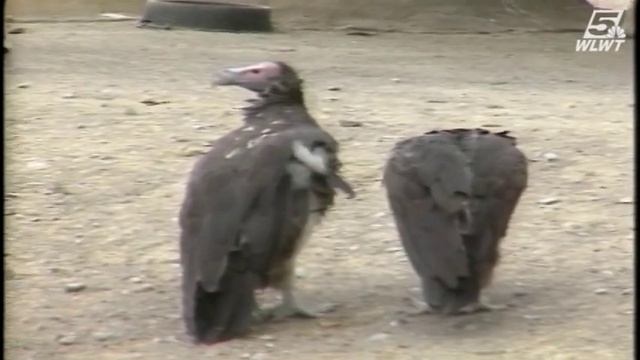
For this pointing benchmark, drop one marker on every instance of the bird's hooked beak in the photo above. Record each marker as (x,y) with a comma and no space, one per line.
(228,77)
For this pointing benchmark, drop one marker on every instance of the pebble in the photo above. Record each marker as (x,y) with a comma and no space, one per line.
(37,165)
(379,337)
(18,30)
(103,336)
(191,151)
(146,288)
(334,88)
(74,287)
(130,111)
(135,280)
(24,85)
(627,291)
(601,291)
(396,80)
(69,339)
(106,94)
(550,157)
(532,317)
(626,200)
(69,96)
(470,327)
(548,201)
(350,123)
(258,356)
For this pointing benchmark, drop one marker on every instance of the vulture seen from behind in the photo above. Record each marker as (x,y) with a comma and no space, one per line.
(452,194)
(250,203)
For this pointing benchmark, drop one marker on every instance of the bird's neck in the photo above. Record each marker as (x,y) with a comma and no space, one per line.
(271,99)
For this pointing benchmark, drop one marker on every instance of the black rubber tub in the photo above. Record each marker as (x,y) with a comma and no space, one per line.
(207,15)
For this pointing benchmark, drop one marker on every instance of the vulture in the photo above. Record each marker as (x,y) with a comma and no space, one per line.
(250,204)
(452,194)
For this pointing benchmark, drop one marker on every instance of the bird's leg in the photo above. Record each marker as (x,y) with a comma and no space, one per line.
(259,315)
(289,306)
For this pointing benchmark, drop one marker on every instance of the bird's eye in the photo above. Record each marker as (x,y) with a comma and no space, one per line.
(255,71)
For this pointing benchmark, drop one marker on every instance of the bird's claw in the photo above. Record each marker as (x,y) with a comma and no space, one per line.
(286,311)
(478,307)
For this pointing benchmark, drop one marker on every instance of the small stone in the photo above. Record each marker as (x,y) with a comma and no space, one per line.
(117,16)
(520,293)
(17,30)
(192,151)
(69,96)
(470,327)
(531,317)
(153,102)
(69,339)
(627,291)
(550,157)
(37,165)
(106,94)
(24,85)
(626,200)
(245,356)
(130,111)
(396,80)
(601,291)
(103,336)
(258,356)
(354,247)
(267,337)
(270,345)
(379,337)
(146,288)
(334,88)
(548,201)
(350,123)
(135,280)
(494,106)
(74,287)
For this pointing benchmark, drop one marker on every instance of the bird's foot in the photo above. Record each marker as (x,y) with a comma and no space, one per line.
(284,311)
(424,310)
(477,307)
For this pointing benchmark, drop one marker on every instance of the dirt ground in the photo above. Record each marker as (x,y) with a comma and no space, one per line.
(95,178)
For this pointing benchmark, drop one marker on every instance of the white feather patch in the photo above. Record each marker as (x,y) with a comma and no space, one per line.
(316,161)
(300,175)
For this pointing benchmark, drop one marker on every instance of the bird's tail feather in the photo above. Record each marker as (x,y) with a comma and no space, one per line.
(227,312)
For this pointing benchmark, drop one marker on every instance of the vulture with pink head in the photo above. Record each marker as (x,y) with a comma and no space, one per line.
(250,203)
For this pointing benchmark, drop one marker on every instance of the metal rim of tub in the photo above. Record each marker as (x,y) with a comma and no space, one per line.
(207,15)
